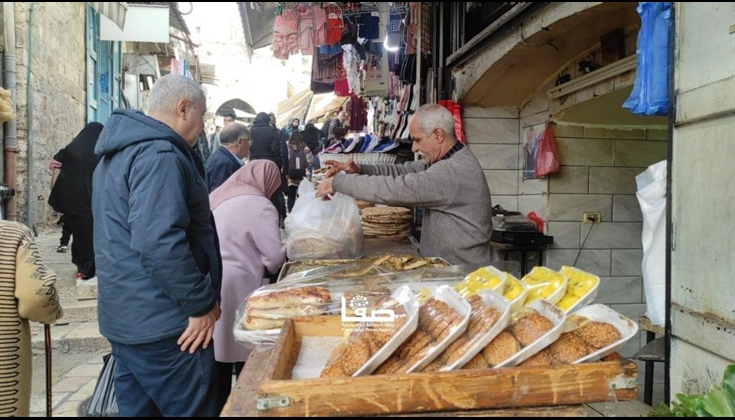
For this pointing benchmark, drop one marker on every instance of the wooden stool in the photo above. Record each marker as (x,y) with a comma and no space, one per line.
(654,351)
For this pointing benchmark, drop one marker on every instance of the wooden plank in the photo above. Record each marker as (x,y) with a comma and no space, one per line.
(560,411)
(280,367)
(460,390)
(241,402)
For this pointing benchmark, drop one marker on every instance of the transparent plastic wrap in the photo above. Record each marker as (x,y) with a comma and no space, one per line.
(532,329)
(442,319)
(375,335)
(490,316)
(484,278)
(545,283)
(383,263)
(515,292)
(588,335)
(581,289)
(324,228)
(324,291)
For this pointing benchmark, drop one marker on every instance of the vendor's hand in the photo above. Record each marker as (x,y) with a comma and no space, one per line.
(336,167)
(199,331)
(54,164)
(325,187)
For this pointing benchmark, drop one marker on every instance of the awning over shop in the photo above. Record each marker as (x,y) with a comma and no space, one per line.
(113,10)
(324,104)
(293,107)
(257,23)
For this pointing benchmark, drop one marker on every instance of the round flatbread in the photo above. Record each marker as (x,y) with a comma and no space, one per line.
(384,210)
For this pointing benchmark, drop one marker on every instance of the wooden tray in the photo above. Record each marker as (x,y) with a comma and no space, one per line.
(279,395)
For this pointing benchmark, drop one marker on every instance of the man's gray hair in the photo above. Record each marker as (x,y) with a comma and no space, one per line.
(232,132)
(169,90)
(432,116)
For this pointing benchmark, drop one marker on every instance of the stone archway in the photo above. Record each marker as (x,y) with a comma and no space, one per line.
(238,106)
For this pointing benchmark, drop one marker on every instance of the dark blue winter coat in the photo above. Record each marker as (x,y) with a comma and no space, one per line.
(155,242)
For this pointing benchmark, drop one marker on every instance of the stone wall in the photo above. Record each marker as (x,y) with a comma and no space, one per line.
(58,86)
(598,170)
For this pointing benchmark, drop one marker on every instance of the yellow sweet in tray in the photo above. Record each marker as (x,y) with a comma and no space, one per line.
(481,279)
(580,284)
(513,288)
(543,283)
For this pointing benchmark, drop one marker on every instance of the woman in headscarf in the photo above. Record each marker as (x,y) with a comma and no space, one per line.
(72,195)
(250,243)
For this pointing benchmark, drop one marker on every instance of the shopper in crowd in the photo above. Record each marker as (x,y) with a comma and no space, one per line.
(250,243)
(266,145)
(159,267)
(235,140)
(72,195)
(300,159)
(28,294)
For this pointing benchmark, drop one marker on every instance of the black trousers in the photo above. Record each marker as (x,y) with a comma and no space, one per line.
(82,247)
(65,232)
(224,380)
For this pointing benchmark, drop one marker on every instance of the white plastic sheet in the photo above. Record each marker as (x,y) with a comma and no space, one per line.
(652,199)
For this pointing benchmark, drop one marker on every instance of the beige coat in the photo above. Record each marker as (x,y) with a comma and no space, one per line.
(27,292)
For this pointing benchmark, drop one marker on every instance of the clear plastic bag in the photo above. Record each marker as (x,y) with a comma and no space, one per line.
(323,228)
(324,291)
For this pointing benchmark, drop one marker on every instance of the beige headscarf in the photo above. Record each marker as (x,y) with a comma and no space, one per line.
(257,177)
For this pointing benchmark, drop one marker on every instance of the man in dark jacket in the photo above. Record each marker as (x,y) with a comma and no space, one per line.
(266,145)
(157,253)
(235,140)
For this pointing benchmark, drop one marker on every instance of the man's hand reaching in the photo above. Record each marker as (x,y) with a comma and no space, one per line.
(199,332)
(350,167)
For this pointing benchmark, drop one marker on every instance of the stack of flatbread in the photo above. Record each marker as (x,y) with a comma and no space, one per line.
(383,222)
(362,204)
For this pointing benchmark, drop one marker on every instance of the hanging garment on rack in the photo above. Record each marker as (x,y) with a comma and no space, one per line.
(369,26)
(335,24)
(394,36)
(411,30)
(425,29)
(320,25)
(307,27)
(341,87)
(285,34)
(358,113)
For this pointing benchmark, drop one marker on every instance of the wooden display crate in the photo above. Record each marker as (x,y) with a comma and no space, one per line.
(279,395)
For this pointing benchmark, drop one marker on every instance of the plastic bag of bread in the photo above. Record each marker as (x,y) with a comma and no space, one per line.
(324,228)
(490,315)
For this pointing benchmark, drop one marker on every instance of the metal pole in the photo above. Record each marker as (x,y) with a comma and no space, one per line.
(49,402)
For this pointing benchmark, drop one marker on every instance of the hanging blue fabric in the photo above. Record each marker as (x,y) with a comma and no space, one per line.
(650,94)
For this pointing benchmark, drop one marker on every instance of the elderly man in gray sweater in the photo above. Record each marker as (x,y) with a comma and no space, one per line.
(448,183)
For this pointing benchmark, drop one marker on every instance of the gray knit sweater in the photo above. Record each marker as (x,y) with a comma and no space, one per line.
(454,193)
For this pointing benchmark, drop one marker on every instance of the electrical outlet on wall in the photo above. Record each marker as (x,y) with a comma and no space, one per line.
(592,217)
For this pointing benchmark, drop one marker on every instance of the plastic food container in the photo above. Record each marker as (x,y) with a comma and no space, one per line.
(515,291)
(449,296)
(627,328)
(484,278)
(581,289)
(406,297)
(553,314)
(544,283)
(499,303)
